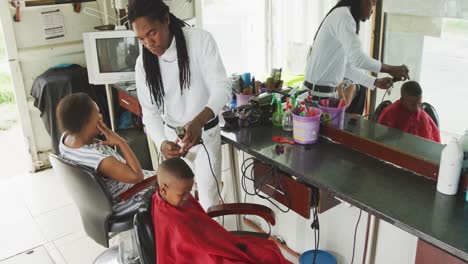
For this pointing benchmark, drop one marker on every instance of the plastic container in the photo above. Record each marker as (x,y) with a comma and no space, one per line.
(246,78)
(243,99)
(333,116)
(306,129)
(233,103)
(323,257)
(287,117)
(277,116)
(288,121)
(450,168)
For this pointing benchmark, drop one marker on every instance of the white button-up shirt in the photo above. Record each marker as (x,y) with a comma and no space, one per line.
(337,53)
(208,85)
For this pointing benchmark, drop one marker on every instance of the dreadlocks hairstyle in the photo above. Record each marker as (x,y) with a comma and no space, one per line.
(355,12)
(157,10)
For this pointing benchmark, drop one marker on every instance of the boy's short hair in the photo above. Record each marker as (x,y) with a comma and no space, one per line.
(411,88)
(74,111)
(178,168)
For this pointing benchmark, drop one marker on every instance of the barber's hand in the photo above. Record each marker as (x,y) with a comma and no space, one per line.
(112,138)
(171,150)
(193,133)
(383,83)
(400,73)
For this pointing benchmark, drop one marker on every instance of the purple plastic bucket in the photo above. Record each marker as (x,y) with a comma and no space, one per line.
(306,129)
(243,99)
(333,116)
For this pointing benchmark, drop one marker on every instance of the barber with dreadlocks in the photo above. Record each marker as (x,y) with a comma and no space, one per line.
(337,54)
(181,81)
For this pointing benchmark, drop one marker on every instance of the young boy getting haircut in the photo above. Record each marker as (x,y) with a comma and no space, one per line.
(186,234)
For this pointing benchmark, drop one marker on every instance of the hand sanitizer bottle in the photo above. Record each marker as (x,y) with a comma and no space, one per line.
(450,168)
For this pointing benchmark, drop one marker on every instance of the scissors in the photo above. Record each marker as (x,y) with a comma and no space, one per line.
(280,139)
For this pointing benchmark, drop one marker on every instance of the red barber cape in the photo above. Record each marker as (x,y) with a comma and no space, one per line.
(188,235)
(419,123)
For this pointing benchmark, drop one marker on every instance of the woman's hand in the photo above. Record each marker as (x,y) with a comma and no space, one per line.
(171,150)
(383,83)
(112,139)
(193,133)
(400,73)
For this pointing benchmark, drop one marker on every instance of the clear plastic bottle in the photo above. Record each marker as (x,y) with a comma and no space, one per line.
(450,168)
(287,118)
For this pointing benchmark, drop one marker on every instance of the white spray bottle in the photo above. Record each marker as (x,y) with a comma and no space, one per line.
(450,168)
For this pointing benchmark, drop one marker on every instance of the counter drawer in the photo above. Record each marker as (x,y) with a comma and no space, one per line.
(291,193)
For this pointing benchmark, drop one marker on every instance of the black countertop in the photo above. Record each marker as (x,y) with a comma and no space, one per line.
(398,196)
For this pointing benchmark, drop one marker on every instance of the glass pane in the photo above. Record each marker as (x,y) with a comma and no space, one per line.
(295,23)
(432,39)
(238,27)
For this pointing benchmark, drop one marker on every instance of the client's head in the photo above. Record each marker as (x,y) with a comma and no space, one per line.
(78,115)
(411,96)
(175,180)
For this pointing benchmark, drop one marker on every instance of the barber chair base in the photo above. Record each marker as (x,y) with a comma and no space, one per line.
(112,256)
(109,256)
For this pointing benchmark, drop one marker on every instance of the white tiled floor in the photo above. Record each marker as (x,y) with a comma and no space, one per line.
(42,224)
(37,255)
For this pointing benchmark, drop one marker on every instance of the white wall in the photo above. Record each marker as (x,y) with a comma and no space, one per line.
(29,55)
(395,245)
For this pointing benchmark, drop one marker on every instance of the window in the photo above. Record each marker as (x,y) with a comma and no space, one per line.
(238,27)
(294,24)
(433,41)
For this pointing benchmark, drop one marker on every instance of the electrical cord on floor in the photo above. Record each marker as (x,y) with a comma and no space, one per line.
(355,232)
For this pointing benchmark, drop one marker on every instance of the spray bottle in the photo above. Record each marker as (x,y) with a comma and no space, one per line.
(277,116)
(288,118)
(450,168)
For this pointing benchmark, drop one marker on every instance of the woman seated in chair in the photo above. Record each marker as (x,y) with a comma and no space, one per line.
(81,122)
(406,114)
(186,234)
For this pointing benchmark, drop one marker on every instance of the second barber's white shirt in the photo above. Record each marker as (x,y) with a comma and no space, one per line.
(337,53)
(208,85)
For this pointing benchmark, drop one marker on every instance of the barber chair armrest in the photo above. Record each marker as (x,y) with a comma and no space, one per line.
(242,208)
(146,183)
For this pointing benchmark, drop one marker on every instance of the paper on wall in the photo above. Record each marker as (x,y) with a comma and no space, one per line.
(52,24)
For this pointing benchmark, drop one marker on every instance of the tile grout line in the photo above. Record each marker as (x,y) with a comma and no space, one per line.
(59,252)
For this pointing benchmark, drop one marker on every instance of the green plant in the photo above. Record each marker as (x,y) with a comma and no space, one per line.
(456,26)
(6,91)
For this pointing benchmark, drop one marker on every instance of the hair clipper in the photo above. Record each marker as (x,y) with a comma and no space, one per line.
(180,132)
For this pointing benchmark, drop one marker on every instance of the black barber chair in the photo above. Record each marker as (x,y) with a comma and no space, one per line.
(430,110)
(101,218)
(426,107)
(144,231)
(379,109)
